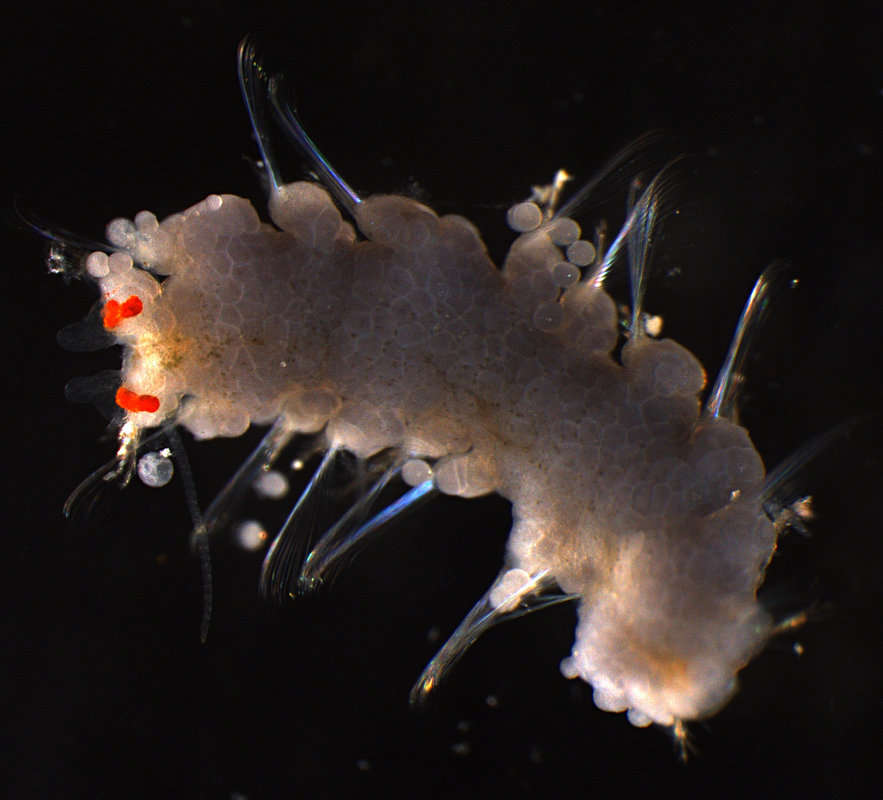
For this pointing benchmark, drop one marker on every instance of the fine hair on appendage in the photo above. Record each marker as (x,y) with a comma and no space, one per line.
(380,329)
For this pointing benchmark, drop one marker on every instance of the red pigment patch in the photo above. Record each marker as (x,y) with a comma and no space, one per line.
(131,401)
(115,312)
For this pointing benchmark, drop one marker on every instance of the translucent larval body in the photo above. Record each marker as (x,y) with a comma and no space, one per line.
(625,493)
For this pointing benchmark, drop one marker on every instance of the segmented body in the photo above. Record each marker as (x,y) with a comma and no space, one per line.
(398,333)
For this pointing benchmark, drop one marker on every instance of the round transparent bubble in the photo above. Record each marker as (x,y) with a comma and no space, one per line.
(156,468)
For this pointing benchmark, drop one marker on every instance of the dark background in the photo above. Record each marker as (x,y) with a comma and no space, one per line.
(108,692)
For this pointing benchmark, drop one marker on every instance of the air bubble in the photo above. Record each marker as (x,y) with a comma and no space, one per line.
(581,253)
(155,469)
(565,274)
(524,217)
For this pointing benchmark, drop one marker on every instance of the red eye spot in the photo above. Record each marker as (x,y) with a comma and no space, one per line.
(131,401)
(115,312)
(111,315)
(132,307)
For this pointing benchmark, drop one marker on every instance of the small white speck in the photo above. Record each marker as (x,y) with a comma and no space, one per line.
(461,748)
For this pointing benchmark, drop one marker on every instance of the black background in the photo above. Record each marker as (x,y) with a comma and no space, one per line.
(108,692)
